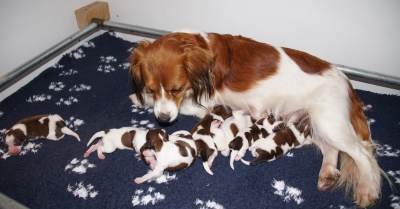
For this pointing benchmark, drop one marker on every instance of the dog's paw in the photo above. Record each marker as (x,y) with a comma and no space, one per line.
(328,177)
(365,195)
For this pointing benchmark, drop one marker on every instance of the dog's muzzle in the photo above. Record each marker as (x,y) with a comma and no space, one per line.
(164,118)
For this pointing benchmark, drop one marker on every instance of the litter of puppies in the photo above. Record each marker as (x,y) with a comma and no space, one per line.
(222,130)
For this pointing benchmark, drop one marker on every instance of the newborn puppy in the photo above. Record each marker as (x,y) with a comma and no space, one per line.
(247,136)
(40,126)
(173,153)
(228,130)
(203,137)
(121,138)
(279,143)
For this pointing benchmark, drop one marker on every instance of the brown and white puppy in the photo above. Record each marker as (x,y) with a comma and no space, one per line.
(203,137)
(229,128)
(247,136)
(121,138)
(173,153)
(279,143)
(40,126)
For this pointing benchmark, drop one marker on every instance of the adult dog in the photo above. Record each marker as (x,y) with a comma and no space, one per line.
(189,72)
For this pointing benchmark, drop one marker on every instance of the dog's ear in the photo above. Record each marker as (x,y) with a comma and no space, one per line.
(199,64)
(135,71)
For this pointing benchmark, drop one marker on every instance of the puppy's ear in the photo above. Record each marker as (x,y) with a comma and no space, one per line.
(279,127)
(148,145)
(136,74)
(307,132)
(199,64)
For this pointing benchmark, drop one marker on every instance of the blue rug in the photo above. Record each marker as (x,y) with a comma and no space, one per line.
(89,88)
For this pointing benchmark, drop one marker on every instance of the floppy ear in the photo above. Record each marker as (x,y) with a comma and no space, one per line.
(199,64)
(135,71)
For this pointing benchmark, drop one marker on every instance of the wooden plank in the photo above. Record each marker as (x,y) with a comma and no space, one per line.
(96,9)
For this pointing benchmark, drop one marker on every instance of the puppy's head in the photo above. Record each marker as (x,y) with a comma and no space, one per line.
(14,139)
(303,126)
(173,67)
(155,139)
(223,111)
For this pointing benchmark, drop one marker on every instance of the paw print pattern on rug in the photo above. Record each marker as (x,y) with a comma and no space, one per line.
(81,87)
(73,123)
(56,86)
(82,191)
(208,205)
(79,166)
(387,151)
(107,68)
(141,198)
(77,54)
(288,193)
(68,72)
(68,101)
(39,98)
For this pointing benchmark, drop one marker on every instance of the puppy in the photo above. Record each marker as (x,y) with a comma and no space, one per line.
(246,137)
(121,138)
(173,153)
(229,128)
(47,126)
(279,143)
(203,137)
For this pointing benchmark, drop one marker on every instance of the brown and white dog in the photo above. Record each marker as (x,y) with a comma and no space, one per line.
(228,129)
(184,71)
(40,126)
(163,152)
(203,136)
(279,142)
(121,138)
(247,136)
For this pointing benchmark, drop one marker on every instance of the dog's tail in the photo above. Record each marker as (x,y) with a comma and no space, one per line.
(245,162)
(233,156)
(68,131)
(96,135)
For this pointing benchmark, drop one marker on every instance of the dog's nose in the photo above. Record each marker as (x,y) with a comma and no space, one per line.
(164,118)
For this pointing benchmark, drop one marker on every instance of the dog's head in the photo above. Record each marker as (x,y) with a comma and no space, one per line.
(155,139)
(14,139)
(173,67)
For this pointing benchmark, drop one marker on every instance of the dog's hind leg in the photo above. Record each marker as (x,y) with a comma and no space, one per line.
(329,174)
(91,149)
(335,129)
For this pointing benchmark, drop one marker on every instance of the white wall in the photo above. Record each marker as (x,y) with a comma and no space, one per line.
(357,33)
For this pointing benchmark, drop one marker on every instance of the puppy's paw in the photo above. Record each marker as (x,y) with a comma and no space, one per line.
(138,180)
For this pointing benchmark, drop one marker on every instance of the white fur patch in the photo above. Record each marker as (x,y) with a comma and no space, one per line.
(193,31)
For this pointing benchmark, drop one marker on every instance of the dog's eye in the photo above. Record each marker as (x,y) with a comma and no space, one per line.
(150,91)
(175,91)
